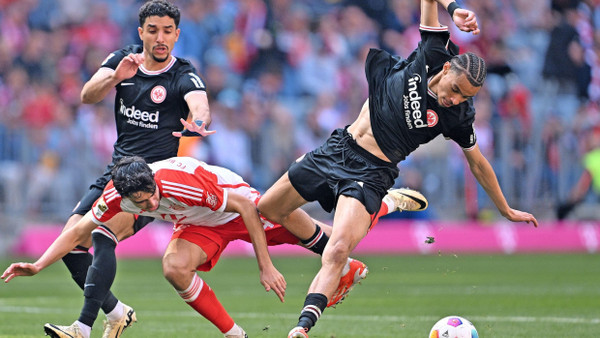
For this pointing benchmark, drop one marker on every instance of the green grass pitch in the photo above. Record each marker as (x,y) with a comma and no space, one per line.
(403,296)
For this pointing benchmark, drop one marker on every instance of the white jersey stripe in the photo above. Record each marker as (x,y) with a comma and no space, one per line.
(111,194)
(195,198)
(176,190)
(182,185)
(175,186)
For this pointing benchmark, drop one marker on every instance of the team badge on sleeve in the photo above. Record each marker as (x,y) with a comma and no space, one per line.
(211,200)
(100,208)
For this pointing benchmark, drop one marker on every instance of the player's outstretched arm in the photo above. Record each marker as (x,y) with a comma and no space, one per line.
(515,215)
(106,79)
(197,101)
(484,173)
(19,269)
(270,277)
(464,19)
(58,249)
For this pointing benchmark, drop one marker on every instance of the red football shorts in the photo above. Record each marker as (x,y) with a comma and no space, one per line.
(213,240)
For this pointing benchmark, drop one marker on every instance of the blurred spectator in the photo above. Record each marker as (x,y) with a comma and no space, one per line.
(88,32)
(358,28)
(32,57)
(194,38)
(41,182)
(230,138)
(319,68)
(244,42)
(14,31)
(564,67)
(589,179)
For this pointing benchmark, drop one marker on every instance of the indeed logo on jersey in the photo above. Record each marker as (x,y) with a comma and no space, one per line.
(412,104)
(139,118)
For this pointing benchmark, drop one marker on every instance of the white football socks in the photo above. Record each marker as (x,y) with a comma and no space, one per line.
(235,331)
(85,330)
(389,201)
(116,313)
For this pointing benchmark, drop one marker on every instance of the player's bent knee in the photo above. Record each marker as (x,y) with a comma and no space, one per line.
(175,269)
(178,277)
(172,274)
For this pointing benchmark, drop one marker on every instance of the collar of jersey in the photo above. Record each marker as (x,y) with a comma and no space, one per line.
(429,91)
(160,71)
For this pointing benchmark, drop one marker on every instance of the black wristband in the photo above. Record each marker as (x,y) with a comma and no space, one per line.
(186,132)
(451,8)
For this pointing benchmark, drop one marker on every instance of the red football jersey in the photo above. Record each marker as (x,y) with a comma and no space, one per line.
(191,193)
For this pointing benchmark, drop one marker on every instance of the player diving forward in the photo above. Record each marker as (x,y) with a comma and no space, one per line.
(411,101)
(209,206)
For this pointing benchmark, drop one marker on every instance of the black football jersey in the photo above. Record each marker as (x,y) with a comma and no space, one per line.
(404,113)
(148,106)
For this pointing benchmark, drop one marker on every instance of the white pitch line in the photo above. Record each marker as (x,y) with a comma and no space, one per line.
(336,317)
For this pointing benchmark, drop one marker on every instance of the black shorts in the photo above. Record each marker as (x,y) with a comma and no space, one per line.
(95,191)
(342,167)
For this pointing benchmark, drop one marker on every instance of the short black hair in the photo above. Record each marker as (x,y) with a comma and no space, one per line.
(132,174)
(159,8)
(472,66)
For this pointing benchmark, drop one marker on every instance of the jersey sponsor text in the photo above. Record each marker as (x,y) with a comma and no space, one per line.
(412,104)
(140,118)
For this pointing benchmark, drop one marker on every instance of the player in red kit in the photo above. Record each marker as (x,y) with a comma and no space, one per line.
(210,206)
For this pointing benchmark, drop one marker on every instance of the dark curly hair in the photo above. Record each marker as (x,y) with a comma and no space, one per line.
(472,66)
(159,8)
(132,174)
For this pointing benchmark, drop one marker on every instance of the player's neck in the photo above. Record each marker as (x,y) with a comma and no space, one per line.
(153,65)
(433,82)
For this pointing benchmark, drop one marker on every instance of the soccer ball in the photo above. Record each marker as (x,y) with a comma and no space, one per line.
(453,327)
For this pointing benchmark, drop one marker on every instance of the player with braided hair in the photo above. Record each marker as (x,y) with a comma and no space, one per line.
(411,101)
(472,66)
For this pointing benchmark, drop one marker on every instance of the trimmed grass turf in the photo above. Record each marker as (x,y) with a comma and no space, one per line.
(403,296)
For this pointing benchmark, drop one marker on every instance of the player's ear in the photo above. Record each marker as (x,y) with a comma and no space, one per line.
(140,30)
(446,68)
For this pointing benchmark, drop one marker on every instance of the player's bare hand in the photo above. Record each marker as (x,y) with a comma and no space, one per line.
(271,279)
(521,216)
(198,128)
(466,21)
(128,67)
(19,269)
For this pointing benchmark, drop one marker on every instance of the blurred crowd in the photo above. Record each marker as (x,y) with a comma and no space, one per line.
(282,74)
